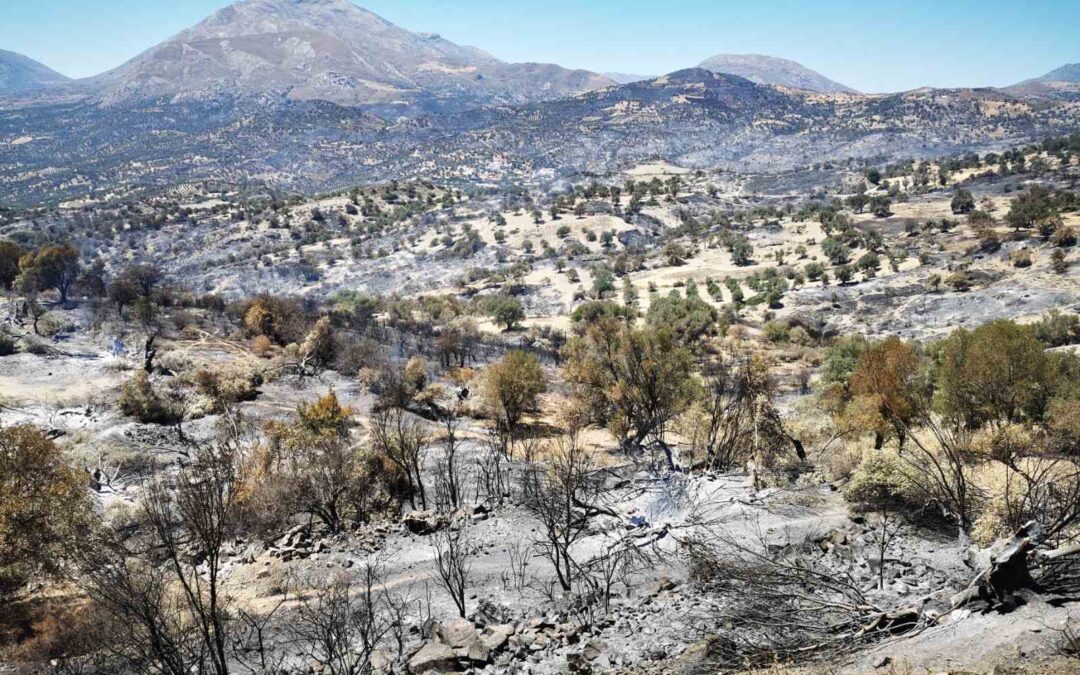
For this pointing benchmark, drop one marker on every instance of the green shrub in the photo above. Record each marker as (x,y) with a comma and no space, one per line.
(7,345)
(140,400)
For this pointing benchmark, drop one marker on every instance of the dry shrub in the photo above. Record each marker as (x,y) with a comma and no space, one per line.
(186,321)
(462,377)
(223,385)
(842,460)
(140,399)
(43,630)
(262,346)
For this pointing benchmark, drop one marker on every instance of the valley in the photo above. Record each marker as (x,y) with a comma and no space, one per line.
(329,347)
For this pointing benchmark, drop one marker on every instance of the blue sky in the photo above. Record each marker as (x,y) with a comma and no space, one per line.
(872,46)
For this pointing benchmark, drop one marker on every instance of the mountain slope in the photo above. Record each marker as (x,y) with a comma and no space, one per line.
(20,73)
(695,118)
(1060,83)
(1070,72)
(773,70)
(627,78)
(328,50)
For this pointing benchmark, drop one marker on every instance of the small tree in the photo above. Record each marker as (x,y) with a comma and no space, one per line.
(402,440)
(511,388)
(877,486)
(10,253)
(319,467)
(962,202)
(51,267)
(563,494)
(44,507)
(453,562)
(633,381)
(342,623)
(507,312)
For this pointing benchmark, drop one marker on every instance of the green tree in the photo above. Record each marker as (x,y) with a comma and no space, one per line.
(690,318)
(512,387)
(996,372)
(50,267)
(505,311)
(10,253)
(44,507)
(835,251)
(962,202)
(634,381)
(1030,207)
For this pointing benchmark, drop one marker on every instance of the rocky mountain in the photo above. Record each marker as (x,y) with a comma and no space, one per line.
(627,78)
(1062,83)
(1070,72)
(329,50)
(773,70)
(19,74)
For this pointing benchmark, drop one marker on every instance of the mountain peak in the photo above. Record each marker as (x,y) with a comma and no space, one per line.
(763,69)
(1070,72)
(20,74)
(1059,83)
(329,50)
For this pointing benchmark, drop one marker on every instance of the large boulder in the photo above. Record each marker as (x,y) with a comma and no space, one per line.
(424,522)
(433,657)
(456,633)
(495,637)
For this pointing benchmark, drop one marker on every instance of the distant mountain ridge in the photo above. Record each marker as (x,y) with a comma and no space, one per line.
(1070,72)
(20,74)
(627,78)
(1060,83)
(329,50)
(763,69)
(695,118)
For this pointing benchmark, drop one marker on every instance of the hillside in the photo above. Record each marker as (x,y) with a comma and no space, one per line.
(694,117)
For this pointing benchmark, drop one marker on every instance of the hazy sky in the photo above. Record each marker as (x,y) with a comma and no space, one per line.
(872,46)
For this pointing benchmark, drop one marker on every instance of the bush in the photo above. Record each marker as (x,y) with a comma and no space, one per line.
(591,311)
(1021,258)
(224,386)
(139,399)
(262,346)
(44,507)
(7,345)
(878,482)
(777,332)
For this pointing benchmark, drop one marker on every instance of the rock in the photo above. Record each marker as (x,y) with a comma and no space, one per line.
(495,637)
(660,585)
(476,651)
(456,633)
(424,522)
(433,657)
(592,650)
(488,613)
(882,661)
(380,661)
